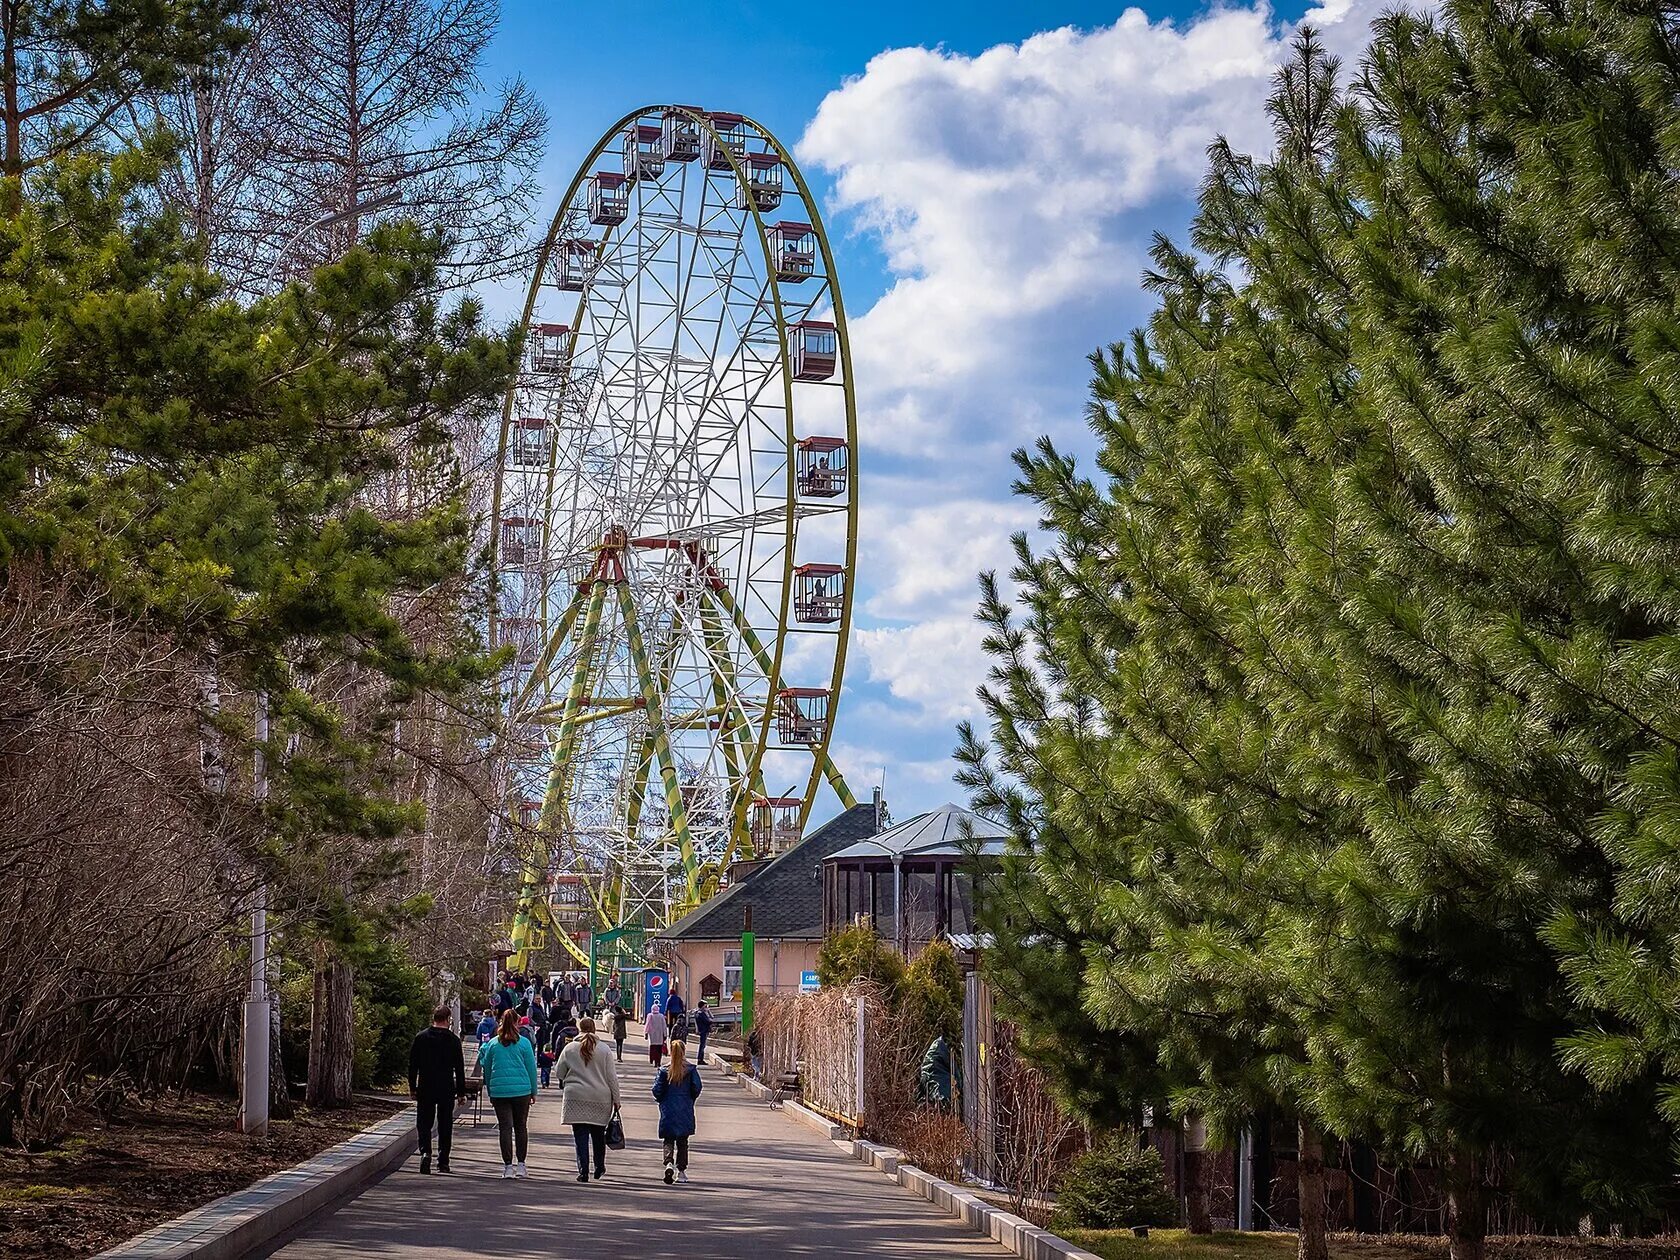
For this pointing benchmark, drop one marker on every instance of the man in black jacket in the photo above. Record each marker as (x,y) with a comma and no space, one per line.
(437,1076)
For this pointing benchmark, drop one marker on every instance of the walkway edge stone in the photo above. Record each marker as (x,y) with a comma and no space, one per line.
(237,1223)
(1029,1241)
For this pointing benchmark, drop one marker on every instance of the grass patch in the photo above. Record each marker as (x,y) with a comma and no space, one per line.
(1180,1244)
(37,1193)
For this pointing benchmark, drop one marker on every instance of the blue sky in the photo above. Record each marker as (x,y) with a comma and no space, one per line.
(990,175)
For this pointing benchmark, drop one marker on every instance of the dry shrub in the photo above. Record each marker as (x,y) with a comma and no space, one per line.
(816,1033)
(119,885)
(1035,1140)
(935,1141)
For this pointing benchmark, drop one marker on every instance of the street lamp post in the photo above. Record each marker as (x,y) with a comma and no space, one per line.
(254,1053)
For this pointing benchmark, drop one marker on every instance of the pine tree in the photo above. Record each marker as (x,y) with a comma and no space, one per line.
(1360,738)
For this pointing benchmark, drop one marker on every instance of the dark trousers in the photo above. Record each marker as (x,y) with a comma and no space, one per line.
(587,1136)
(442,1110)
(656,1052)
(701,1060)
(618,1042)
(511,1114)
(681,1145)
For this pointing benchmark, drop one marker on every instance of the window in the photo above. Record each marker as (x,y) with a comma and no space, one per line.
(731,973)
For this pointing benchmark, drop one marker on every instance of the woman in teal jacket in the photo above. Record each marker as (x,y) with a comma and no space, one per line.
(510,1078)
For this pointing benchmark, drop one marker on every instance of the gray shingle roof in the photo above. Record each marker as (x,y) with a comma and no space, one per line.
(786,894)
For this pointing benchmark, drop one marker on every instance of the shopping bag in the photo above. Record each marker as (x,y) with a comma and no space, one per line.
(615,1132)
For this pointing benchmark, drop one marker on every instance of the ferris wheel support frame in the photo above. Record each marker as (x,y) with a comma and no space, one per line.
(733,721)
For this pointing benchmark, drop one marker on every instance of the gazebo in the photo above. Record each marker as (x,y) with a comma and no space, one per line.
(913,881)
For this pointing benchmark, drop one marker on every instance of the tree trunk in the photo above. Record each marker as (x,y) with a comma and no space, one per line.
(1466,1207)
(332,1031)
(1197,1216)
(1313,1240)
(279,1090)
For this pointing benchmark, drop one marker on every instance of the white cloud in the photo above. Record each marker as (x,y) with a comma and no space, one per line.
(1011,193)
(922,560)
(932,667)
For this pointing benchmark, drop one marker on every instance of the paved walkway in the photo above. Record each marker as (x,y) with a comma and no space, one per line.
(762,1185)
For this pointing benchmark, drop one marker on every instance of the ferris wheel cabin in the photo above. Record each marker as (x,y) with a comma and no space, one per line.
(820,467)
(521,633)
(775,824)
(814,348)
(680,133)
(547,345)
(728,137)
(573,262)
(802,715)
(521,541)
(819,592)
(763,186)
(527,813)
(609,198)
(529,445)
(793,250)
(644,151)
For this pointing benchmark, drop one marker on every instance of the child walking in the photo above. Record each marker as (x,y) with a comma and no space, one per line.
(676,1088)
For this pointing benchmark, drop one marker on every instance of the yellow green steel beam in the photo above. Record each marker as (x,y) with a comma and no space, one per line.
(675,808)
(551,648)
(738,728)
(830,771)
(536,863)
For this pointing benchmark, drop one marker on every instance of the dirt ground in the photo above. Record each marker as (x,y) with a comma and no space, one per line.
(108,1183)
(1175,1244)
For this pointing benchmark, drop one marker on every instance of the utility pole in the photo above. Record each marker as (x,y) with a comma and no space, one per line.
(253,1079)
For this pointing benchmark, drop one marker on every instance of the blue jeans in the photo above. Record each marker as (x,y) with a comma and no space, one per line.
(587,1136)
(700,1059)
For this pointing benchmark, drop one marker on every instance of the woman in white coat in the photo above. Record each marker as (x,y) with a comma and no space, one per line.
(654,1029)
(589,1086)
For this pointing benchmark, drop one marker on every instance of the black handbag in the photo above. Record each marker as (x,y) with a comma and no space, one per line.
(615,1132)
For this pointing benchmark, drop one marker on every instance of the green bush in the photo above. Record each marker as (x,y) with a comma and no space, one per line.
(930,996)
(393,1003)
(856,953)
(1115,1186)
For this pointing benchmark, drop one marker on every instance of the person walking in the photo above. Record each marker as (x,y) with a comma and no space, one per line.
(611,997)
(510,1078)
(620,1020)
(437,1076)
(676,1087)
(589,1088)
(703,1026)
(654,1029)
(676,1014)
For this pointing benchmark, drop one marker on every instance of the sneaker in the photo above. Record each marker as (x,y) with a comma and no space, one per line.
(583,1176)
(599,1173)
(425,1163)
(670,1173)
(519,1169)
(443,1165)
(507,1172)
(682,1176)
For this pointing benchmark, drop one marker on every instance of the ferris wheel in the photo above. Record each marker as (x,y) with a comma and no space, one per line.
(674,527)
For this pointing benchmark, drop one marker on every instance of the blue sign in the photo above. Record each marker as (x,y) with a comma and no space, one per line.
(808,982)
(656,987)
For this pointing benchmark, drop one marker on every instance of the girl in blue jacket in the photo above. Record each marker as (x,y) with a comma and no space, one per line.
(510,1078)
(676,1088)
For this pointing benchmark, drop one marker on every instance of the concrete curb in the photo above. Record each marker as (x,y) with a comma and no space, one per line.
(1029,1241)
(235,1224)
